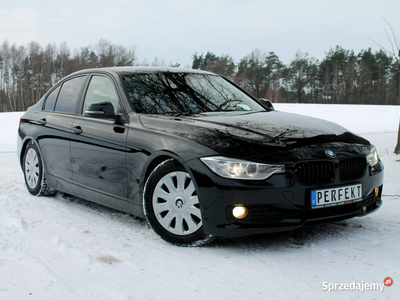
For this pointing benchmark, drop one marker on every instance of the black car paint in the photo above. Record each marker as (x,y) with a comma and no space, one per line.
(110,159)
(253,135)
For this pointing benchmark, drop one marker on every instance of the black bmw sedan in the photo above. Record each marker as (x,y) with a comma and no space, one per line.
(194,154)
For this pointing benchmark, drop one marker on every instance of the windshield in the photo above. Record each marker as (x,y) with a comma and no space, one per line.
(186,93)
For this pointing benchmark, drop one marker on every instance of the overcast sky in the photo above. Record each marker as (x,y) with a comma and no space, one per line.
(174,30)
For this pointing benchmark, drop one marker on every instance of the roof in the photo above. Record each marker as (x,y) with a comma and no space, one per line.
(142,69)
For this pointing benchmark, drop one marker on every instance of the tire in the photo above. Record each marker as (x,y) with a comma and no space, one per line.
(172,207)
(33,172)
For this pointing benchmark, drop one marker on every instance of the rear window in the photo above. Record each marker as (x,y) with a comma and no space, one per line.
(51,99)
(69,93)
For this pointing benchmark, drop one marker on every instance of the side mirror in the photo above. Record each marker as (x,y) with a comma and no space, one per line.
(101,110)
(267,103)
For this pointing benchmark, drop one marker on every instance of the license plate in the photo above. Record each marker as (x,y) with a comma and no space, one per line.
(336,196)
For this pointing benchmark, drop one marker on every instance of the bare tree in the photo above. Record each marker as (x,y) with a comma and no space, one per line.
(256,72)
(395,53)
(125,56)
(157,62)
(106,53)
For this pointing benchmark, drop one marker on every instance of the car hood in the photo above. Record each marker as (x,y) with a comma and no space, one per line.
(267,135)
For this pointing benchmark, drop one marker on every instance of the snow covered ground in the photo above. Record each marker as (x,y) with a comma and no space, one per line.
(67,248)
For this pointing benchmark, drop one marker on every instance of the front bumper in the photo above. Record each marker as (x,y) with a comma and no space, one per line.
(279,203)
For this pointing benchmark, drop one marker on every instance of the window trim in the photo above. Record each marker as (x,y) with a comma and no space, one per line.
(117,91)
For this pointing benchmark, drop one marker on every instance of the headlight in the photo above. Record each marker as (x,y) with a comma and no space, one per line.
(241,169)
(373,158)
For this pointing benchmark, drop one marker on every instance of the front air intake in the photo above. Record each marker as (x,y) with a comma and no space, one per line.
(314,172)
(352,168)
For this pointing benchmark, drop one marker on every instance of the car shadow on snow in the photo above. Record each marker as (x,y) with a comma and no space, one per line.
(99,209)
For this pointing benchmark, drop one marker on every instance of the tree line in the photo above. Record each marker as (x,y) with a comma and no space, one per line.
(341,77)
(27,73)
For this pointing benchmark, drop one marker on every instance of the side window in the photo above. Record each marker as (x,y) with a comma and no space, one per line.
(69,95)
(51,99)
(101,89)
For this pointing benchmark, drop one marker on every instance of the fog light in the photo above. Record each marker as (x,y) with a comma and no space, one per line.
(377,192)
(239,212)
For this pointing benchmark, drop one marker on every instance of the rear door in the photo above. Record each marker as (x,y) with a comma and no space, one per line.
(98,145)
(56,118)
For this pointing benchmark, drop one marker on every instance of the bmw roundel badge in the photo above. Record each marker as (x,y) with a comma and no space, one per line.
(330,153)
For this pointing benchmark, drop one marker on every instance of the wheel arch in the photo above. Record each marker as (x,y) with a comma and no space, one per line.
(154,160)
(25,143)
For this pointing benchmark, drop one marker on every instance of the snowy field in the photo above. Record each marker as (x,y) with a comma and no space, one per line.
(67,248)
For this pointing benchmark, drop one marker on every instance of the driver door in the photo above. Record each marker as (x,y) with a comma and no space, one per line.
(98,145)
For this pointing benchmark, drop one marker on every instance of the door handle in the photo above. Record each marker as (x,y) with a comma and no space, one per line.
(42,121)
(77,130)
